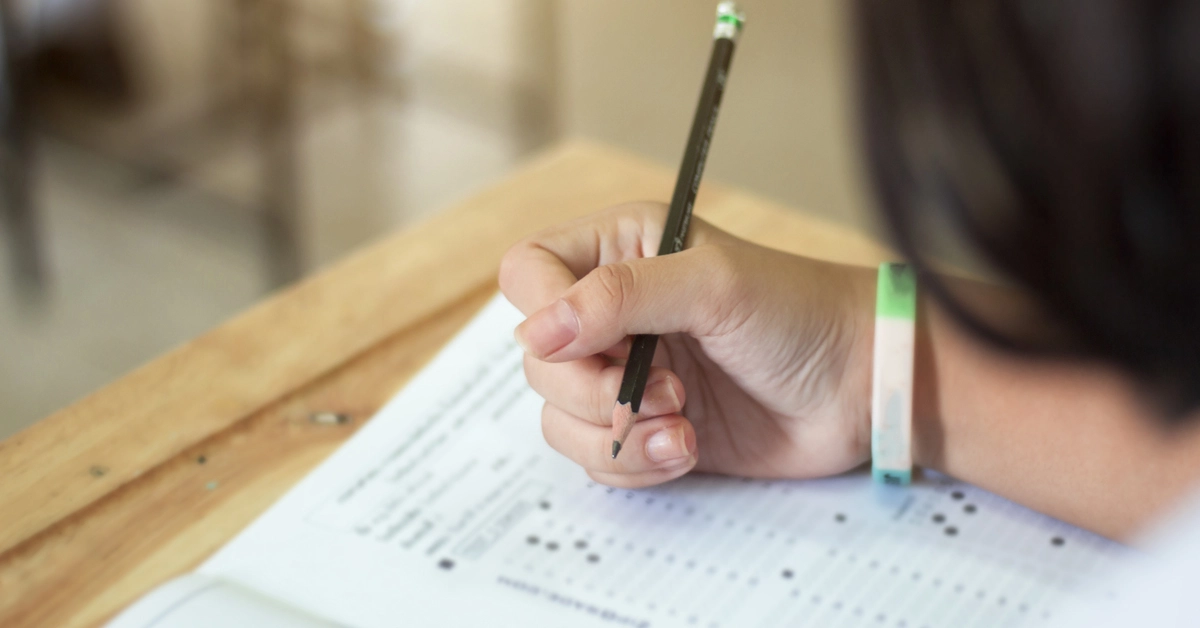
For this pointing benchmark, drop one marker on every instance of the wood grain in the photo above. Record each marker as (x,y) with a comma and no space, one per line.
(144,479)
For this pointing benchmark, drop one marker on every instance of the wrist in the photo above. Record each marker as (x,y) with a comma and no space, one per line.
(927,429)
(857,375)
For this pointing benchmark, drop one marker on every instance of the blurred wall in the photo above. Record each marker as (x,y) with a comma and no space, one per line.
(464,91)
(631,71)
(491,61)
(626,72)
(461,92)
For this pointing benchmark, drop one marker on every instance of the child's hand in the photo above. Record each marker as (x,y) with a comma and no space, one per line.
(763,368)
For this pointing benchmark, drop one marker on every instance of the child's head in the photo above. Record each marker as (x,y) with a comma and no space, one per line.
(1059,141)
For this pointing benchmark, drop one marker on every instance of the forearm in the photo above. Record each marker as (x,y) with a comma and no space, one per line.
(1068,440)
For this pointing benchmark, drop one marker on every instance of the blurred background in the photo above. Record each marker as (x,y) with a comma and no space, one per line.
(166,163)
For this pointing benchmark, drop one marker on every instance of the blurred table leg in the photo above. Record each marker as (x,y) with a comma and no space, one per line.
(275,120)
(362,45)
(16,158)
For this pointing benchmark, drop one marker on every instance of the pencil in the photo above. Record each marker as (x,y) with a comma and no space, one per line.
(637,369)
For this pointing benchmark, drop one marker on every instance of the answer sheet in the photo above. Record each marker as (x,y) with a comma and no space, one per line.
(448,509)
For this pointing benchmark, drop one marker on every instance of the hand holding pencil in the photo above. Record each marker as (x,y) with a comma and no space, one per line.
(675,233)
(763,360)
(721,331)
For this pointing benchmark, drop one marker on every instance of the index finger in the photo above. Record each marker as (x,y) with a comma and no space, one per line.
(538,270)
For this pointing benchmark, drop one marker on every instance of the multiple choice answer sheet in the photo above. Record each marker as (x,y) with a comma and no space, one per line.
(449,509)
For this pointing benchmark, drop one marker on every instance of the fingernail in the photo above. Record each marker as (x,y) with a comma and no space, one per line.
(660,398)
(548,329)
(667,445)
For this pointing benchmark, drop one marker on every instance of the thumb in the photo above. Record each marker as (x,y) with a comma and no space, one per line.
(692,292)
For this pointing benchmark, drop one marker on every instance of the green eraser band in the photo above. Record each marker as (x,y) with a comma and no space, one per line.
(892,374)
(730,21)
(896,292)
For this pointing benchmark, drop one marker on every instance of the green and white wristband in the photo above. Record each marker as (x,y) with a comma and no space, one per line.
(892,378)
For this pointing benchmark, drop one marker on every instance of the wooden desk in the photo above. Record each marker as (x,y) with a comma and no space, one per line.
(144,479)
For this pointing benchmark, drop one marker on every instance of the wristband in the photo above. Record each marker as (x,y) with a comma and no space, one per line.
(892,374)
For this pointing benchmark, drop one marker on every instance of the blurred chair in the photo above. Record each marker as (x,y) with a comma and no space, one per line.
(70,42)
(263,28)
(16,155)
(78,43)
(264,32)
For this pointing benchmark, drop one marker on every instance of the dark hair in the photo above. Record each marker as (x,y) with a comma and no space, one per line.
(1060,140)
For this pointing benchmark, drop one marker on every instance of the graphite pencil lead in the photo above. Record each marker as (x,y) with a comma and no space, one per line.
(623,421)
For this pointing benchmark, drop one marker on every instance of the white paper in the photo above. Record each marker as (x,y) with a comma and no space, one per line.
(195,601)
(449,509)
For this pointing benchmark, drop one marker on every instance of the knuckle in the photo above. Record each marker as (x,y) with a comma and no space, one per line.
(655,210)
(595,399)
(510,268)
(613,285)
(646,218)
(604,394)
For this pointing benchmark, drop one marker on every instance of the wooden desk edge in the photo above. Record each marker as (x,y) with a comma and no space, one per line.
(55,484)
(63,463)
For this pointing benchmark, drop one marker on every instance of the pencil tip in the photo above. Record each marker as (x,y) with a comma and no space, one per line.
(616,448)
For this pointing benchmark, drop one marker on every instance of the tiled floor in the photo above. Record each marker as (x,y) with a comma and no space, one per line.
(138,267)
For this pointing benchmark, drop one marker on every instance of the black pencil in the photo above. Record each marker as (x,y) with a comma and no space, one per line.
(674,237)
